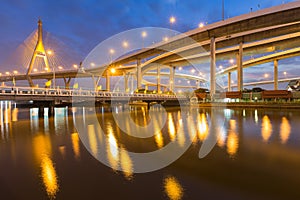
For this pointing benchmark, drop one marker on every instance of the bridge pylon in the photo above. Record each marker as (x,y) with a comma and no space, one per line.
(39,51)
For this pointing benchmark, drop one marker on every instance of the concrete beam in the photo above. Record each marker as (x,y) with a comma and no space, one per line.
(239,62)
(275,74)
(212,67)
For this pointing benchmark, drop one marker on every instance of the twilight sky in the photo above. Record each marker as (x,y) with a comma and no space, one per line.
(82,24)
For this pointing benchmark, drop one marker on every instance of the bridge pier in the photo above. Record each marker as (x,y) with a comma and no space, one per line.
(172,76)
(158,80)
(212,67)
(41,111)
(107,81)
(51,109)
(138,74)
(126,77)
(239,62)
(275,74)
(229,81)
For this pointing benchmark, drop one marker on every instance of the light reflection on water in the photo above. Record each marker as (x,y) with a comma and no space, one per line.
(266,128)
(46,142)
(173,188)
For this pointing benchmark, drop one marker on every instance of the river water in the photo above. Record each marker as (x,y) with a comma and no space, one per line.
(249,153)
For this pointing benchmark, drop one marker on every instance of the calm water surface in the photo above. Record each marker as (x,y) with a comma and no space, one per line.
(257,155)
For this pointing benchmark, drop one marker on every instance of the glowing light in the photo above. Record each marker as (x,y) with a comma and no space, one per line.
(188,82)
(179,81)
(92,64)
(172,19)
(220,67)
(171,126)
(92,139)
(180,68)
(15,72)
(0,74)
(266,75)
(165,39)
(144,34)
(60,67)
(112,149)
(75,145)
(266,129)
(49,177)
(173,188)
(49,52)
(75,66)
(284,73)
(285,130)
(201,25)
(7,73)
(125,44)
(113,70)
(193,70)
(231,61)
(111,51)
(232,143)
(126,164)
(35,70)
(202,127)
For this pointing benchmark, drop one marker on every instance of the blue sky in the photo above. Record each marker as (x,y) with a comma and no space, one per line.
(82,24)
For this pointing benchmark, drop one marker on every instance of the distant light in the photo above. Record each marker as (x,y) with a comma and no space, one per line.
(188,82)
(15,72)
(232,82)
(7,73)
(75,66)
(49,52)
(60,67)
(165,39)
(284,73)
(93,64)
(113,70)
(193,70)
(231,61)
(180,68)
(111,51)
(0,74)
(201,25)
(144,34)
(220,67)
(266,75)
(125,44)
(172,19)
(35,70)
(46,68)
(200,74)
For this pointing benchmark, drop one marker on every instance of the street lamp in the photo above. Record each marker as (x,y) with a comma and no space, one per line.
(125,44)
(111,52)
(144,34)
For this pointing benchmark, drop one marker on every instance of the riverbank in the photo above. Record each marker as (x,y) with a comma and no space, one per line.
(275,105)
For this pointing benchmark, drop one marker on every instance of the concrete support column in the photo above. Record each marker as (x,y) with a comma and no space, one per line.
(229,81)
(239,63)
(126,76)
(172,78)
(212,67)
(132,77)
(138,74)
(107,81)
(158,80)
(275,74)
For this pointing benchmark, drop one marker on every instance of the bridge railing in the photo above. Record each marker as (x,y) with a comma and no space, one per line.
(23,91)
